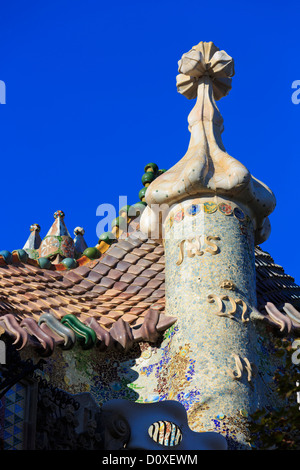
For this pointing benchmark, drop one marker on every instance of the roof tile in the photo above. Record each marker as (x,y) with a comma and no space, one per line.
(107,282)
(144,262)
(146,291)
(109,260)
(131,258)
(139,252)
(73,277)
(128,317)
(125,245)
(135,269)
(140,281)
(114,274)
(158,267)
(123,266)
(134,241)
(94,277)
(127,277)
(101,268)
(87,285)
(121,286)
(154,283)
(152,257)
(83,271)
(133,289)
(149,273)
(117,252)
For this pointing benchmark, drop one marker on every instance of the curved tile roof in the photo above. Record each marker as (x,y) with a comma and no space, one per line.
(118,298)
(273,284)
(125,284)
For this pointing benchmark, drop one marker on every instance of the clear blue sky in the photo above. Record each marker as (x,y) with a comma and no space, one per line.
(91,98)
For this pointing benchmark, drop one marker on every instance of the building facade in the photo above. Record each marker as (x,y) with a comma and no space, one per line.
(163,333)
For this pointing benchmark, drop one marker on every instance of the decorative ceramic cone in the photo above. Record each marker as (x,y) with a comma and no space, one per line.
(58,243)
(33,242)
(79,241)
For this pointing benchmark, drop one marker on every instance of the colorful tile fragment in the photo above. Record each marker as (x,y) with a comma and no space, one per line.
(171,221)
(225,208)
(193,209)
(179,216)
(12,426)
(165,433)
(238,213)
(210,207)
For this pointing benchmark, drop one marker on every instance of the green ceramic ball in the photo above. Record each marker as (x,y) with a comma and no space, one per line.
(70,263)
(151,166)
(142,193)
(124,209)
(148,177)
(22,255)
(7,256)
(120,222)
(107,237)
(137,209)
(91,252)
(44,263)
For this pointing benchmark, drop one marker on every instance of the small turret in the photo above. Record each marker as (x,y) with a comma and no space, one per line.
(79,241)
(57,244)
(33,242)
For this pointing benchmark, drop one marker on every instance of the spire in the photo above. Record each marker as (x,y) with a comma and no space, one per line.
(79,241)
(58,243)
(33,242)
(207,169)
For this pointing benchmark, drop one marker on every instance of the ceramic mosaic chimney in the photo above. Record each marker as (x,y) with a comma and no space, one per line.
(58,243)
(34,241)
(79,241)
(210,212)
